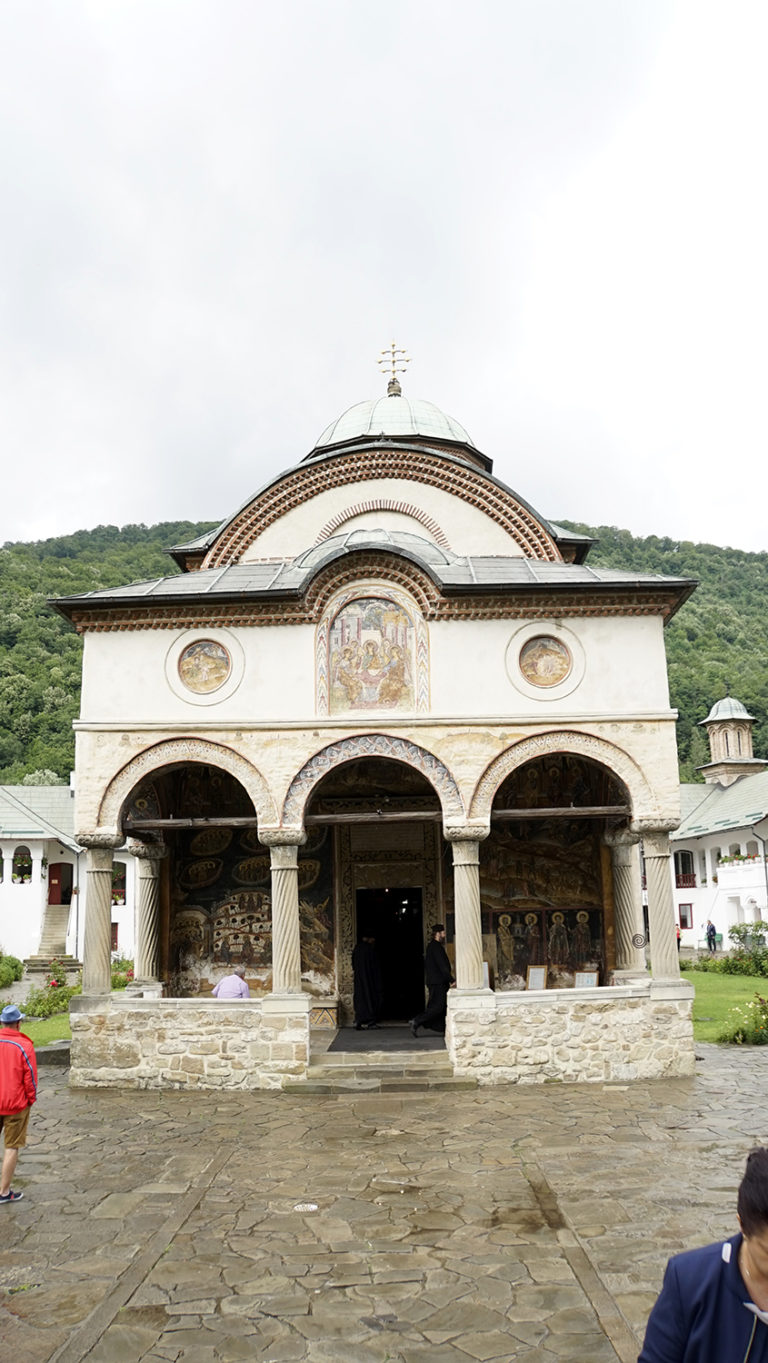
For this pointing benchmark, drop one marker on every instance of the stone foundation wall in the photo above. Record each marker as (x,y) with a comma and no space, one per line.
(591,1035)
(120,1042)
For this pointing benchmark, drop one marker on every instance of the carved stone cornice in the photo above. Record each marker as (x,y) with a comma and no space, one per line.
(469,832)
(281,837)
(99,840)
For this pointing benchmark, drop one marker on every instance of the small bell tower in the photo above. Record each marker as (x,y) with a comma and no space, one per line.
(729,729)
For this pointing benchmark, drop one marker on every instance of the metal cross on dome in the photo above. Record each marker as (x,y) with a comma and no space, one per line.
(395,360)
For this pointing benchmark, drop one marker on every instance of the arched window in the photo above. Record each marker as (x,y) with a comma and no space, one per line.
(22,866)
(685,876)
(118,882)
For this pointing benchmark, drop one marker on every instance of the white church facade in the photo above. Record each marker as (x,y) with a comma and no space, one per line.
(385,692)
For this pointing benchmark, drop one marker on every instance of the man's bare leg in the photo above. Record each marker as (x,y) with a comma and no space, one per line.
(9,1169)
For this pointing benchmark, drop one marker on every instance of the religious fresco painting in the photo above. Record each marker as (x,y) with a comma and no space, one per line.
(541,879)
(545,661)
(204,666)
(371,648)
(221,909)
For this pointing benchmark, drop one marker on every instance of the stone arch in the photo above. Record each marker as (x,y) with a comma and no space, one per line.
(371,745)
(581,745)
(177,752)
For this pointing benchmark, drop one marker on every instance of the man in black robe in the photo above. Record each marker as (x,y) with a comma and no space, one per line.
(367,996)
(439,978)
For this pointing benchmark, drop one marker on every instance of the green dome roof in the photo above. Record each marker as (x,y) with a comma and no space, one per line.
(393,416)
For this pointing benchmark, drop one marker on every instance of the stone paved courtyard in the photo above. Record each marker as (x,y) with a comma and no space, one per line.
(517,1223)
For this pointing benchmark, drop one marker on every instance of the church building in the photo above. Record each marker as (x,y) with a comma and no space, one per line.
(384,693)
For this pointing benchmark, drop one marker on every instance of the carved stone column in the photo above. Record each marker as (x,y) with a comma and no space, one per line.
(148,857)
(466,893)
(97,946)
(665,963)
(627,902)
(286,937)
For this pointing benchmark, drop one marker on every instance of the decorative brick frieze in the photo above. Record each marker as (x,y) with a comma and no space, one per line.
(300,485)
(510,604)
(384,504)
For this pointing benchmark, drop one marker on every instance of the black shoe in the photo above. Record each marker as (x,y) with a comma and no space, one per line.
(358,1025)
(413,1027)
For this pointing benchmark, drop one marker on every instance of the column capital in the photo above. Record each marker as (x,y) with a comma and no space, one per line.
(620,837)
(281,837)
(646,827)
(284,856)
(466,852)
(146,851)
(468,832)
(100,839)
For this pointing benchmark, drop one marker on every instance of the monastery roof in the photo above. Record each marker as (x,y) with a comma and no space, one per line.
(452,573)
(37,812)
(714,809)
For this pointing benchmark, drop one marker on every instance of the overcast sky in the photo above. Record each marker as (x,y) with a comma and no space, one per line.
(214,214)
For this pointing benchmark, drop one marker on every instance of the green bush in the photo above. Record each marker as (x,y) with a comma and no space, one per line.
(747,1026)
(11,969)
(46,1002)
(122,973)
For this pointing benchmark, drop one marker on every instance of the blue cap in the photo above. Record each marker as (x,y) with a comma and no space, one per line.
(11,1014)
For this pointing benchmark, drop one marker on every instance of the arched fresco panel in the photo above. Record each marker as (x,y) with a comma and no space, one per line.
(582,745)
(371,745)
(175,752)
(372,653)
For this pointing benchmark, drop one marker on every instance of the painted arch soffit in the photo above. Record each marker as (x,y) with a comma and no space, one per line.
(581,745)
(371,745)
(176,752)
(301,484)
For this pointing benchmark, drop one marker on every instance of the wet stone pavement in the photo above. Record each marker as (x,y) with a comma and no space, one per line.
(516,1223)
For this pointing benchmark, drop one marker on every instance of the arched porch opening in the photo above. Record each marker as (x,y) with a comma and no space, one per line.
(546,883)
(374,826)
(194,831)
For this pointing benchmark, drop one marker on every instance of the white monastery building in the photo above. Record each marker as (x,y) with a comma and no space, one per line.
(719,851)
(385,692)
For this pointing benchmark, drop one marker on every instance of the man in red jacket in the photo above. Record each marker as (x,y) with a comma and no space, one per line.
(18,1091)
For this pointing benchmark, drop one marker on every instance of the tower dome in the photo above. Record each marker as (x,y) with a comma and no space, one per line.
(393,415)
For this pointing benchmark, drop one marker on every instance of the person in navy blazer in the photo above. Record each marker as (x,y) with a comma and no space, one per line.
(713,1305)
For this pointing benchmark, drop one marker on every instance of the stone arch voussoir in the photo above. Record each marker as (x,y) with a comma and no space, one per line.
(175,752)
(372,745)
(562,741)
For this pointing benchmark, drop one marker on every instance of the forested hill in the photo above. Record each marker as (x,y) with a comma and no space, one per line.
(717,642)
(40,654)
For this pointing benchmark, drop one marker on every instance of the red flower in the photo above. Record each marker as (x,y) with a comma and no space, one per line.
(53,984)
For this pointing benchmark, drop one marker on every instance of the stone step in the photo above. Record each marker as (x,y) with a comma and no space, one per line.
(41,962)
(378,1072)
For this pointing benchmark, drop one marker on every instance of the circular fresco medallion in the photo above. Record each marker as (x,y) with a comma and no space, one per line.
(204,666)
(545,661)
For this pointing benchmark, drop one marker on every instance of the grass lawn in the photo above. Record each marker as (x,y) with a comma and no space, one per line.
(48,1029)
(716,995)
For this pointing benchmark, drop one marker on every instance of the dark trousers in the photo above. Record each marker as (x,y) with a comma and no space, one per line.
(433,1016)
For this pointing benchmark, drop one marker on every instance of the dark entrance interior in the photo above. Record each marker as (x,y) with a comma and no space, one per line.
(394,917)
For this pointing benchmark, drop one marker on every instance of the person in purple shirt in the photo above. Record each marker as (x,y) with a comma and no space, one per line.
(233,986)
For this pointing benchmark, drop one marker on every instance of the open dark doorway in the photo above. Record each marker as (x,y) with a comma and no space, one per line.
(394,917)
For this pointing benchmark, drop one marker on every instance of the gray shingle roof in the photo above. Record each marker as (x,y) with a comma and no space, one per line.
(713,809)
(449,571)
(38,812)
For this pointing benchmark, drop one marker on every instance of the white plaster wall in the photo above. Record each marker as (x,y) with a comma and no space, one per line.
(468,530)
(124,677)
(625,669)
